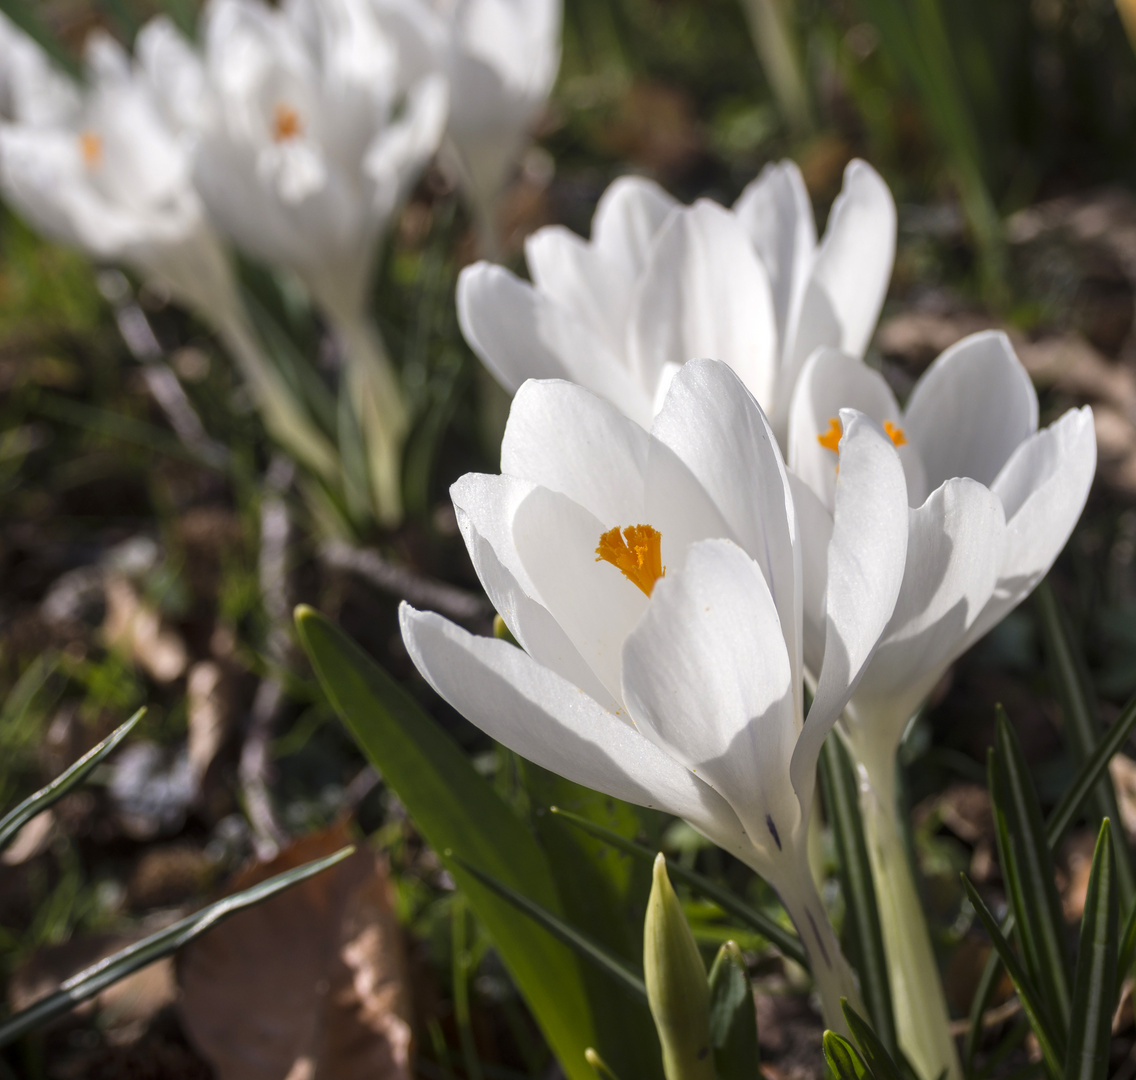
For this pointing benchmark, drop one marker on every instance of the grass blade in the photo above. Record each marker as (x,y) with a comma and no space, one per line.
(89,982)
(1094,996)
(1082,727)
(842,804)
(733,1017)
(1034,1009)
(582,944)
(1029,872)
(70,778)
(786,942)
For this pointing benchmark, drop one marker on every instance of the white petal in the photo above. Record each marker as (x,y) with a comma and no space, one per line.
(865,570)
(563,437)
(576,274)
(705,293)
(520,334)
(831,381)
(717,429)
(1043,488)
(971,409)
(485,505)
(953,553)
(776,211)
(707,676)
(814,524)
(628,217)
(556,539)
(542,717)
(850,274)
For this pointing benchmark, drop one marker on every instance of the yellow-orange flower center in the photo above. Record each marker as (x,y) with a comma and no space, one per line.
(286,123)
(830,440)
(91,149)
(635,553)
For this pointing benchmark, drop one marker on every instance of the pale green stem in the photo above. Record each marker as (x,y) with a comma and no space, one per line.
(921,1015)
(283,416)
(780,60)
(380,408)
(832,975)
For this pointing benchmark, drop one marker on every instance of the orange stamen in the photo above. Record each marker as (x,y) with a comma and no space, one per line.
(636,554)
(286,123)
(830,440)
(895,433)
(91,149)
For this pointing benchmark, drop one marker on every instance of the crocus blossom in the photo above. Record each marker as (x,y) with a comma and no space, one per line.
(659,283)
(654,584)
(32,90)
(993,501)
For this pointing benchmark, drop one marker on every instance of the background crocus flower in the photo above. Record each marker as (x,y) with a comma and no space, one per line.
(110,175)
(311,139)
(659,283)
(678,684)
(1003,500)
(32,90)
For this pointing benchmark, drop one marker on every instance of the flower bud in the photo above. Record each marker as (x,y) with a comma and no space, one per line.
(677,990)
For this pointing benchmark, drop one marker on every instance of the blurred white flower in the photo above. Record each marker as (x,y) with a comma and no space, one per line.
(660,283)
(1003,500)
(679,684)
(310,138)
(109,175)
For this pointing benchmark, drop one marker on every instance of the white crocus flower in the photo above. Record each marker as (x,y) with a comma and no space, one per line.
(660,282)
(109,175)
(32,90)
(311,140)
(677,685)
(993,501)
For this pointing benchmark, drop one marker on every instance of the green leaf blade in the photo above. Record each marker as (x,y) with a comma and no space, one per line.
(1094,996)
(733,1017)
(843,1061)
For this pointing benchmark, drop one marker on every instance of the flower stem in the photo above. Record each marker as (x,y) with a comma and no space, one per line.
(921,1015)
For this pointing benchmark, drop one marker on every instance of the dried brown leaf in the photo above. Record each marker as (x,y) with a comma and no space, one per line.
(309,985)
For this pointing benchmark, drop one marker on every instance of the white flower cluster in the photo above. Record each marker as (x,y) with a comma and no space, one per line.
(677,544)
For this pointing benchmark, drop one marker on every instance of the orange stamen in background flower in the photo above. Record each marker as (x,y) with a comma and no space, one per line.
(636,554)
(830,440)
(286,123)
(91,149)
(895,433)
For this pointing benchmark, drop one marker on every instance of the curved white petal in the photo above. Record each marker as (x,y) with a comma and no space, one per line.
(830,381)
(866,558)
(563,437)
(596,606)
(776,211)
(849,277)
(954,549)
(814,525)
(714,425)
(706,675)
(628,217)
(1043,488)
(971,409)
(546,719)
(704,293)
(520,334)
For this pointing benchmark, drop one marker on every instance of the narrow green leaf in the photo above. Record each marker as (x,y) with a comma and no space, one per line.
(1029,872)
(787,943)
(842,805)
(598,1065)
(581,944)
(87,983)
(1082,728)
(879,1062)
(733,1017)
(1094,995)
(1056,825)
(1127,955)
(35,804)
(1043,1027)
(843,1060)
(458,810)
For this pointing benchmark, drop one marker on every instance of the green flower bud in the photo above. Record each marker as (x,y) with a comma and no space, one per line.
(677,990)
